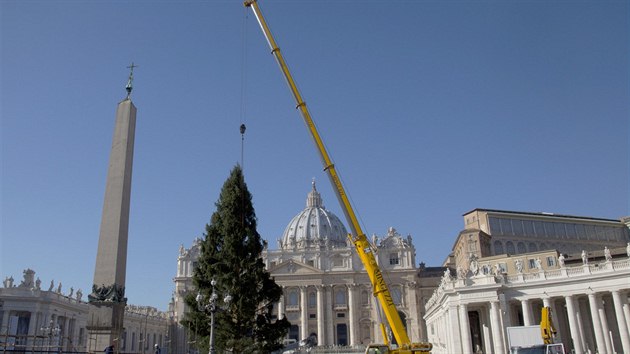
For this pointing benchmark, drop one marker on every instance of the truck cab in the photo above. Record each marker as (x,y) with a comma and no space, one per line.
(539,349)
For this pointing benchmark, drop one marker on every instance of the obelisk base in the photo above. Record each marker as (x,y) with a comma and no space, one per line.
(105,326)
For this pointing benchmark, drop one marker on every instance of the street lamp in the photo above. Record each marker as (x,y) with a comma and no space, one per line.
(211,307)
(50,331)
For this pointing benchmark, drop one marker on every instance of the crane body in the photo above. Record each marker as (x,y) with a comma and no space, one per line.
(363,247)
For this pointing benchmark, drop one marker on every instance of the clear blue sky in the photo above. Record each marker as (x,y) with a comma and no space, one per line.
(429,109)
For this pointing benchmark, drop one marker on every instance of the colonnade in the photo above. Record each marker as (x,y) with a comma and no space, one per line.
(358,315)
(586,323)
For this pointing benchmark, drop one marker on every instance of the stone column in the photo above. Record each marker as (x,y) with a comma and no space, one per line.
(352,314)
(414,331)
(321,320)
(455,338)
(581,323)
(330,333)
(597,324)
(527,312)
(281,307)
(304,313)
(497,328)
(464,326)
(375,317)
(573,325)
(621,321)
(605,329)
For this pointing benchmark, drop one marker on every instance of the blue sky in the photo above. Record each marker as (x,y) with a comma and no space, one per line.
(428,108)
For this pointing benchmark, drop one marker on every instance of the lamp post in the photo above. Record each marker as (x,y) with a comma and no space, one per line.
(50,331)
(211,306)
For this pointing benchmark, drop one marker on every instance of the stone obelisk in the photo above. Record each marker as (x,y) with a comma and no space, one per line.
(107,300)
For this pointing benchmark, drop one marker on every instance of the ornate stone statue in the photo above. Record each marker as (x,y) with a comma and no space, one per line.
(519,265)
(71,292)
(584,257)
(496,270)
(607,254)
(538,264)
(79,295)
(10,281)
(52,285)
(5,282)
(38,284)
(28,282)
(59,288)
(461,273)
(628,249)
(561,260)
(474,265)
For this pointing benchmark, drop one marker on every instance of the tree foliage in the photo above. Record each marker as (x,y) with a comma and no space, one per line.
(231,255)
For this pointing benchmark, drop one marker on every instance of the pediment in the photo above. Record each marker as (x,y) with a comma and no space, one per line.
(294,267)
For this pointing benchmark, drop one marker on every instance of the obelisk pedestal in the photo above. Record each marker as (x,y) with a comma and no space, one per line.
(107,300)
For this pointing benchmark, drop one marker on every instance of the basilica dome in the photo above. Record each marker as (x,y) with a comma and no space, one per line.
(314,227)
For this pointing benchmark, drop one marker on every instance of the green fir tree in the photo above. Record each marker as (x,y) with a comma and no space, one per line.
(231,255)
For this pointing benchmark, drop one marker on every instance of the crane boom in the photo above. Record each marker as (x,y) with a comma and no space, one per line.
(357,236)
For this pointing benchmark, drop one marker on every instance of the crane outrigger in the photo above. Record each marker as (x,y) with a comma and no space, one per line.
(357,236)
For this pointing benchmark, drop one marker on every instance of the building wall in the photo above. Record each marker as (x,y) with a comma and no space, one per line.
(34,318)
(472,311)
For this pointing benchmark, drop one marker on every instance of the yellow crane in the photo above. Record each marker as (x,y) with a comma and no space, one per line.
(357,236)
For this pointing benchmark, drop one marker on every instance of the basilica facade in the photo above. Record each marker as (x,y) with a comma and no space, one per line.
(327,295)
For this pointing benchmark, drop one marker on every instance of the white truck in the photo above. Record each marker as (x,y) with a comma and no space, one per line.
(528,340)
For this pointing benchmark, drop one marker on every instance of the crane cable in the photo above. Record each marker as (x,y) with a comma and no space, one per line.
(242,126)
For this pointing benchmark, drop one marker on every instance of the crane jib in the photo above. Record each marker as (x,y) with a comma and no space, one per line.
(362,245)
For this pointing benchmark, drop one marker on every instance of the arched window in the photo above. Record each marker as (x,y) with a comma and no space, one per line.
(397,295)
(312,300)
(294,332)
(293,298)
(521,247)
(532,247)
(509,247)
(340,297)
(498,247)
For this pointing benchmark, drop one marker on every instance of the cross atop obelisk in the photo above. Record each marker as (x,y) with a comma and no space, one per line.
(129,86)
(107,300)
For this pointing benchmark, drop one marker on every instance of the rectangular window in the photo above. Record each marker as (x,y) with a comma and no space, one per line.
(495,227)
(560,231)
(528,227)
(532,263)
(341,315)
(581,232)
(393,259)
(503,267)
(551,261)
(506,227)
(549,229)
(517,225)
(570,231)
(312,316)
